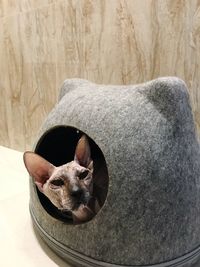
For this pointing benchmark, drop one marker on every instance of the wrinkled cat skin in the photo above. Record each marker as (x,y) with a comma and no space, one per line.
(70,186)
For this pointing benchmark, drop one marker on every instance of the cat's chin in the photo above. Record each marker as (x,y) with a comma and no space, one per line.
(82,214)
(74,208)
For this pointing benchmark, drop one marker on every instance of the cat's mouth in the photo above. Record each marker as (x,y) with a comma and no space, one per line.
(69,212)
(80,203)
(76,205)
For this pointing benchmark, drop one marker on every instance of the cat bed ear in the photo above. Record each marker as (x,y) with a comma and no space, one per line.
(39,168)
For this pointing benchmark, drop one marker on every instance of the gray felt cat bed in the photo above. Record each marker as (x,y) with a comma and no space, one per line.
(145,136)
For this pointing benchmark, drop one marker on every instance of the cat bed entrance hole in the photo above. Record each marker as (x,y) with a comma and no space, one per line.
(58,146)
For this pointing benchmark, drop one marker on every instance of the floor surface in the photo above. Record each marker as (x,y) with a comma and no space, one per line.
(20,245)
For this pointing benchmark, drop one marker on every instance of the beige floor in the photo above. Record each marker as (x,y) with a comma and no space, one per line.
(20,246)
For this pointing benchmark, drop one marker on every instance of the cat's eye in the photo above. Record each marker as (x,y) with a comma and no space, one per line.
(57,182)
(83,174)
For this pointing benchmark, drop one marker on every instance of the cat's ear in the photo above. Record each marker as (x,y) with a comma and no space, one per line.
(83,153)
(39,168)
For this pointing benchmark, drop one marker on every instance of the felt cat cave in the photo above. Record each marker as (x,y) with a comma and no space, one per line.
(144,137)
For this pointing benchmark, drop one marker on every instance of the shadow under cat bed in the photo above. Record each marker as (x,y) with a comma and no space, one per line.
(143,137)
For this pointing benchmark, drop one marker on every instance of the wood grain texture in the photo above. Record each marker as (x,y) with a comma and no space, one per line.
(28,75)
(116,41)
(13,7)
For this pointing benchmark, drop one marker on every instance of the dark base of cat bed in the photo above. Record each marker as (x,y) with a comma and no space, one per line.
(80,260)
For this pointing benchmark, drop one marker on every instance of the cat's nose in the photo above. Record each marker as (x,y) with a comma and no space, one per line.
(76,192)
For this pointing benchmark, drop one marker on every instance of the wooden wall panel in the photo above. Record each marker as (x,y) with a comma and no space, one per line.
(13,7)
(28,77)
(116,41)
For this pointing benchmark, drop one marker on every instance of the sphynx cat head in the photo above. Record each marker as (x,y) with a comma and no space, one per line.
(68,186)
